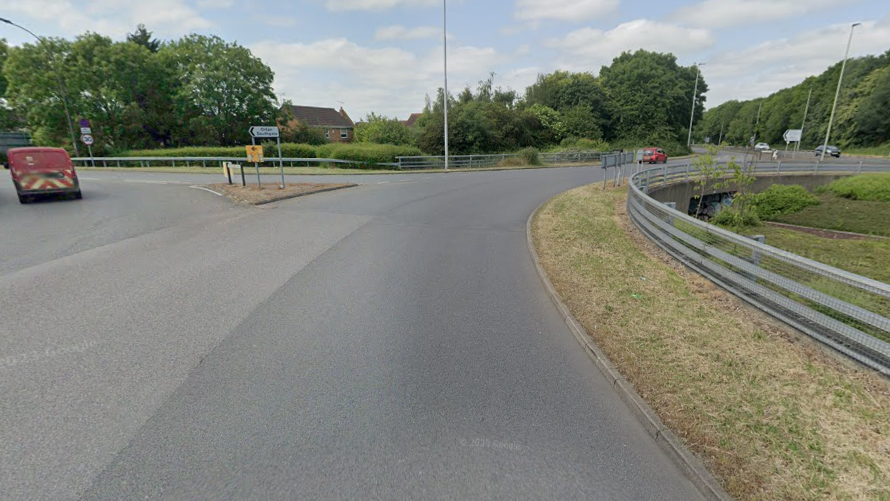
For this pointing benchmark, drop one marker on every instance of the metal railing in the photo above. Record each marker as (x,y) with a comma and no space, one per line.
(843,310)
(211,162)
(483,161)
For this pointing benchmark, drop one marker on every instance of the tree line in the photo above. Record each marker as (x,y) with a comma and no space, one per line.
(143,93)
(861,119)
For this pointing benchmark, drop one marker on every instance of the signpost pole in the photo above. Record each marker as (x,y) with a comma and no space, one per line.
(90,150)
(280,161)
(256,165)
(243,179)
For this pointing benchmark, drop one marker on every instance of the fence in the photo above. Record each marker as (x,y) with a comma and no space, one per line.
(215,162)
(843,310)
(482,161)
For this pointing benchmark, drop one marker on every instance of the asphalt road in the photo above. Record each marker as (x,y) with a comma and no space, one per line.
(389,341)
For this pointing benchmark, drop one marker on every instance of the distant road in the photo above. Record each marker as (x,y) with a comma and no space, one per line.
(389,341)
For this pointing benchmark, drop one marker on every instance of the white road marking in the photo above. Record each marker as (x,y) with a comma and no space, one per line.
(382,182)
(206,189)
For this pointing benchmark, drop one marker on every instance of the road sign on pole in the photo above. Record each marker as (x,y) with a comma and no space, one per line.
(792,135)
(87,139)
(263,131)
(254,153)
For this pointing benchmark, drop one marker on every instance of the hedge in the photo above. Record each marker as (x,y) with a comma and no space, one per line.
(270,150)
(369,154)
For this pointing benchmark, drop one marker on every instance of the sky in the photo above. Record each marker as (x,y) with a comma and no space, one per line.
(385,56)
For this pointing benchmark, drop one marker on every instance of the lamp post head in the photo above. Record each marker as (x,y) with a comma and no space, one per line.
(7,21)
(855,25)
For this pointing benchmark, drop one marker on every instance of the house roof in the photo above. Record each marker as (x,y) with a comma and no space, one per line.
(321,117)
(411,119)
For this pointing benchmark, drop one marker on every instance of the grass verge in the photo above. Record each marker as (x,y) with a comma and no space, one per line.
(842,214)
(256,195)
(771,415)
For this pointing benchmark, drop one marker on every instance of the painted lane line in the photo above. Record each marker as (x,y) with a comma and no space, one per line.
(206,189)
(382,182)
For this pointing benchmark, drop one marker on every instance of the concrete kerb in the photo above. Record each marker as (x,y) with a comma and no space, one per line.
(665,438)
(287,197)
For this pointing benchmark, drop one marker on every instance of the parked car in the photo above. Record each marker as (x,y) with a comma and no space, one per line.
(761,147)
(829,150)
(654,155)
(42,171)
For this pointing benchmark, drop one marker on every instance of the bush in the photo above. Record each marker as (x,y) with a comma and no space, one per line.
(530,156)
(189,151)
(782,199)
(730,217)
(572,143)
(871,187)
(289,150)
(369,154)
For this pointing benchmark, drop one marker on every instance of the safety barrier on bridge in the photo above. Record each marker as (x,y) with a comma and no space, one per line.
(214,162)
(483,161)
(843,310)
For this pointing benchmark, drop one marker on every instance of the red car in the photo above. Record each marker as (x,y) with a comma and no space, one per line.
(42,171)
(654,155)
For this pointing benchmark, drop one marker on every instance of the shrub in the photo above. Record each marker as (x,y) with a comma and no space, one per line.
(572,143)
(871,187)
(782,199)
(732,218)
(367,153)
(189,151)
(289,150)
(530,156)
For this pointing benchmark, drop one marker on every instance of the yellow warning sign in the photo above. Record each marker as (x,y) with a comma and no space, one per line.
(254,153)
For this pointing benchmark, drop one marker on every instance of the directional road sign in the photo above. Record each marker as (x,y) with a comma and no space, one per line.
(263,131)
(254,153)
(86,130)
(87,139)
(792,135)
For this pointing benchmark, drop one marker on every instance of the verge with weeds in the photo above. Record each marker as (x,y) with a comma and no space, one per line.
(772,415)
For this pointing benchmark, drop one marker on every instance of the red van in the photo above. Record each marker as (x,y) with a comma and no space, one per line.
(654,155)
(42,171)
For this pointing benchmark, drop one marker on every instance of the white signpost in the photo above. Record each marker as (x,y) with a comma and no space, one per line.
(792,136)
(265,131)
(88,140)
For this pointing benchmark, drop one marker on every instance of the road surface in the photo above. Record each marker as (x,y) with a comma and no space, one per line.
(389,341)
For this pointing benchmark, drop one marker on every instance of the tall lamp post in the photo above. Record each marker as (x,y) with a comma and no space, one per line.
(445,56)
(61,85)
(838,92)
(694,92)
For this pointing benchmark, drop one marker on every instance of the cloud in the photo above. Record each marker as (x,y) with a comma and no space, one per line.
(399,32)
(344,5)
(722,13)
(564,10)
(770,66)
(588,48)
(215,4)
(109,17)
(387,80)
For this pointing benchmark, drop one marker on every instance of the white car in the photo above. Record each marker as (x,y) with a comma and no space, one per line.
(761,147)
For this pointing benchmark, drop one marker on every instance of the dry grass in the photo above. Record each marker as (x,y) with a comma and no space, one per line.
(772,415)
(255,195)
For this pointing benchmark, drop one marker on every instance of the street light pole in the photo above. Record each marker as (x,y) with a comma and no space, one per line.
(838,92)
(58,75)
(694,92)
(445,57)
(803,123)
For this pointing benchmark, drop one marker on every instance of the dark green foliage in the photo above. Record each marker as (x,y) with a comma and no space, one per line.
(861,119)
(782,199)
(730,217)
(369,154)
(870,187)
(530,156)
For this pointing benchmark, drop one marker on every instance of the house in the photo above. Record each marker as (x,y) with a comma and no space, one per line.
(337,126)
(411,119)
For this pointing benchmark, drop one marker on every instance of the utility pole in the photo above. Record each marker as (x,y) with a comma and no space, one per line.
(804,122)
(62,93)
(694,92)
(837,93)
(445,57)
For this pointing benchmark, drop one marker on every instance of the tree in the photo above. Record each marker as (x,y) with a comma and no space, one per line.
(707,170)
(220,90)
(650,92)
(382,130)
(143,37)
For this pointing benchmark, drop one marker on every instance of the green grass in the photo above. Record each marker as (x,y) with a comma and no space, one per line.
(869,258)
(772,419)
(843,214)
(882,150)
(869,187)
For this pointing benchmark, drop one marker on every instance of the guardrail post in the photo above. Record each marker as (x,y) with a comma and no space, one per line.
(664,175)
(687,172)
(860,168)
(672,205)
(816,168)
(203,163)
(648,173)
(118,163)
(778,166)
(605,177)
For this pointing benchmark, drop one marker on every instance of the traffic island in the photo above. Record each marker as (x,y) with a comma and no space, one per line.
(259,195)
(769,413)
